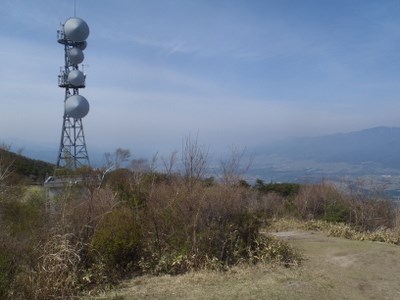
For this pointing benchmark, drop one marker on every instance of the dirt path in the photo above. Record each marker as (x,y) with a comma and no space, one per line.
(334,269)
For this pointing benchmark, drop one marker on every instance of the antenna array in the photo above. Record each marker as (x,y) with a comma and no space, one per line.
(73,151)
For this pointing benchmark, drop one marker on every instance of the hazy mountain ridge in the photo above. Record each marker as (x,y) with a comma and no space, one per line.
(374,151)
(370,155)
(379,145)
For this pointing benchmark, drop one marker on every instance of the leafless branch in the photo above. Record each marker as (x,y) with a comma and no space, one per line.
(170,162)
(234,168)
(194,159)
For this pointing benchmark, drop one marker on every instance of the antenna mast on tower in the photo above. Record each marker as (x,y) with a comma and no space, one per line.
(73,151)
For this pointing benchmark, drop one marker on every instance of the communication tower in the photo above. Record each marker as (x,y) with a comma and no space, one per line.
(73,151)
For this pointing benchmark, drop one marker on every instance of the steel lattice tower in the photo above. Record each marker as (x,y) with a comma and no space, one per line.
(73,151)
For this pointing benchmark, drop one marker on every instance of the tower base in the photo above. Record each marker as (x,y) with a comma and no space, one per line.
(73,152)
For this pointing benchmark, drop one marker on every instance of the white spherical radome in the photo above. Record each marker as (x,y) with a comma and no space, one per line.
(76,106)
(76,29)
(76,78)
(75,56)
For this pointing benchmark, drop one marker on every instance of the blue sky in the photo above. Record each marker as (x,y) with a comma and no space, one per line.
(236,72)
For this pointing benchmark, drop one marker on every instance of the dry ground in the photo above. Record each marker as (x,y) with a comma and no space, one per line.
(334,269)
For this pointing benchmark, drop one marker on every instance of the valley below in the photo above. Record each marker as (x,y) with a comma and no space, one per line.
(369,177)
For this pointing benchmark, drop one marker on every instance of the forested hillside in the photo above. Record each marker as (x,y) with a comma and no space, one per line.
(20,169)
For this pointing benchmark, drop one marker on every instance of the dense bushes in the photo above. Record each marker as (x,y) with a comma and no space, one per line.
(151,223)
(24,217)
(138,221)
(133,223)
(282,189)
(323,201)
(184,227)
(117,240)
(200,224)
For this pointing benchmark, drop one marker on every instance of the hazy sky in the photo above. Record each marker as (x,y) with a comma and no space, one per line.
(238,72)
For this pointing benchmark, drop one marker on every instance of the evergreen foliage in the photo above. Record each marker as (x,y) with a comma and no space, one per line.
(282,189)
(24,169)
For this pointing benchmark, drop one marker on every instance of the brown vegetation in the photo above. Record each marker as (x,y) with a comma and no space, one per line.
(134,221)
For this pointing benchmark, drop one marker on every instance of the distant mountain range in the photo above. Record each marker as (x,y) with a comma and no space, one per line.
(372,153)
(380,145)
(369,152)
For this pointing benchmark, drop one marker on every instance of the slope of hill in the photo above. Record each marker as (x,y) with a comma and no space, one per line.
(24,169)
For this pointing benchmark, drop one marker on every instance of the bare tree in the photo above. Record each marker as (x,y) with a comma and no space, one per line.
(170,162)
(153,163)
(113,161)
(117,158)
(234,167)
(5,163)
(140,165)
(194,160)
(139,168)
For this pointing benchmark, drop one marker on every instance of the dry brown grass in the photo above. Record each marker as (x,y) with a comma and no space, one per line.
(384,235)
(334,269)
(55,274)
(148,223)
(324,201)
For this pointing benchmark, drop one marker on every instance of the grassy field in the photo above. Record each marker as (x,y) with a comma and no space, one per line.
(334,269)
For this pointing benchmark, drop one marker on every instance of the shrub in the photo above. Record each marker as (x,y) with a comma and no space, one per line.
(282,189)
(7,272)
(336,213)
(229,238)
(205,226)
(117,240)
(26,216)
(275,250)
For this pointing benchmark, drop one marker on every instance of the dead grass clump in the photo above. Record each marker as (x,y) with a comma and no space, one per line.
(285,224)
(380,235)
(274,250)
(384,235)
(55,275)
